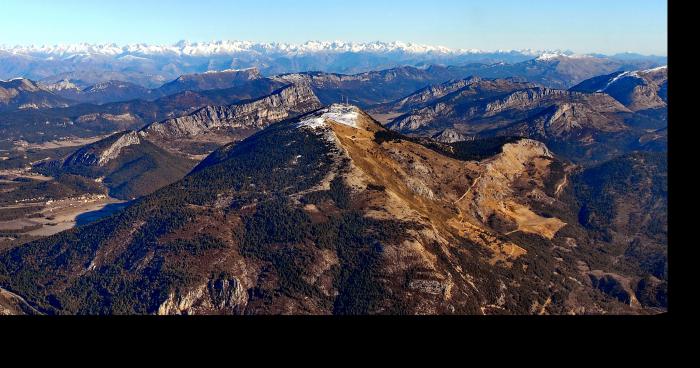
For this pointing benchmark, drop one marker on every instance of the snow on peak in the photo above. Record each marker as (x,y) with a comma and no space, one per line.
(639,74)
(228,71)
(135,52)
(62,85)
(12,80)
(553,55)
(549,56)
(632,74)
(185,48)
(657,69)
(338,113)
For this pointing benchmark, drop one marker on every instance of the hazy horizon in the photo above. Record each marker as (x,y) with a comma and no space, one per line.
(526,49)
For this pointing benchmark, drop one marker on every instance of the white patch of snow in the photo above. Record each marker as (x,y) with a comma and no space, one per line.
(339,113)
(656,69)
(132,58)
(548,56)
(229,71)
(632,74)
(206,49)
(224,48)
(11,80)
(63,85)
(552,55)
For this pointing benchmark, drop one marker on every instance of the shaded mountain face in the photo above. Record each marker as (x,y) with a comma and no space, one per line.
(638,90)
(624,202)
(584,127)
(472,88)
(382,87)
(118,91)
(492,104)
(209,81)
(104,92)
(24,94)
(91,120)
(561,71)
(136,163)
(366,88)
(332,213)
(218,125)
(126,164)
(564,71)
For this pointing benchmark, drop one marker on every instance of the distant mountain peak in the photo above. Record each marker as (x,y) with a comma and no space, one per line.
(151,65)
(555,55)
(244,73)
(186,48)
(228,47)
(104,151)
(63,85)
(21,83)
(636,89)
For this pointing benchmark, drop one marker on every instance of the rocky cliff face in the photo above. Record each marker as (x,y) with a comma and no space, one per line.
(63,85)
(132,164)
(103,92)
(531,99)
(208,81)
(14,305)
(104,151)
(580,126)
(222,295)
(126,163)
(111,91)
(450,135)
(376,87)
(24,94)
(287,102)
(464,87)
(338,80)
(471,110)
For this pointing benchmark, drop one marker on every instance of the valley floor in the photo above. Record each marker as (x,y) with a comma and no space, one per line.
(57,216)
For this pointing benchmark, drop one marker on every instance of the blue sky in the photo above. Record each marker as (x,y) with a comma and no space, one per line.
(606,26)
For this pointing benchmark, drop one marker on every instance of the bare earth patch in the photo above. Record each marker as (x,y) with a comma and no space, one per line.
(530,222)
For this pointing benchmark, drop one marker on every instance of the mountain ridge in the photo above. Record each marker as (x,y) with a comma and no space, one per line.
(637,89)
(25,94)
(228,47)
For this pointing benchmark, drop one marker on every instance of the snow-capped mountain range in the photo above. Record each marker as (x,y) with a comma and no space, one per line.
(86,64)
(199,49)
